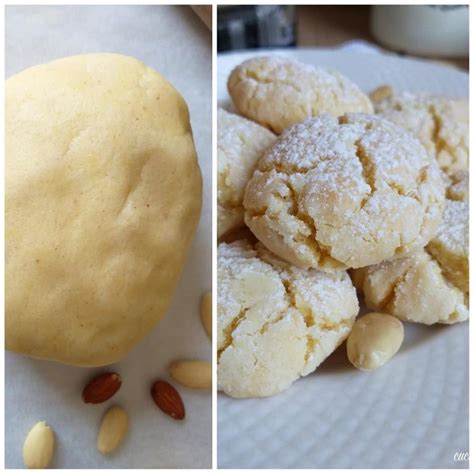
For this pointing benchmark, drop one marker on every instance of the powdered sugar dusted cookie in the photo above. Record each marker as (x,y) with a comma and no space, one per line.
(335,193)
(450,246)
(240,143)
(278,92)
(413,288)
(431,285)
(440,123)
(275,322)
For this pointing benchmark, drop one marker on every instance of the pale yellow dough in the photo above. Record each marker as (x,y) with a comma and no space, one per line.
(275,322)
(278,92)
(103,195)
(336,193)
(240,143)
(440,123)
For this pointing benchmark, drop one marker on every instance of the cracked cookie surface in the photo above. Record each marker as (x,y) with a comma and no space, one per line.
(277,92)
(336,193)
(275,322)
(240,143)
(103,195)
(440,123)
(412,288)
(457,186)
(431,285)
(450,245)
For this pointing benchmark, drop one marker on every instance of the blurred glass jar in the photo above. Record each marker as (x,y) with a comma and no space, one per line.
(255,26)
(426,30)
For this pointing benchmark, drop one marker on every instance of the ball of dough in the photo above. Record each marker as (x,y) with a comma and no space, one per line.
(335,193)
(440,123)
(278,92)
(275,322)
(103,196)
(450,246)
(413,288)
(240,143)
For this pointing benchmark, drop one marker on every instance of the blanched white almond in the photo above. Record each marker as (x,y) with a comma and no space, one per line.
(38,449)
(206,312)
(192,373)
(113,428)
(374,339)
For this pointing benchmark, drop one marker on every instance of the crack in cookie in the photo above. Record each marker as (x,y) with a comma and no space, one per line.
(278,92)
(344,193)
(440,123)
(276,322)
(413,288)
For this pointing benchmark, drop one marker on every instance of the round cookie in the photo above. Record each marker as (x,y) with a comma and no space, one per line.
(336,193)
(440,123)
(450,246)
(103,196)
(413,288)
(240,143)
(275,322)
(278,92)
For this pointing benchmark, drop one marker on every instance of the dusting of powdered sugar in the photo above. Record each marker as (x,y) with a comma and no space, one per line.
(305,78)
(324,305)
(278,92)
(440,123)
(358,173)
(240,143)
(453,234)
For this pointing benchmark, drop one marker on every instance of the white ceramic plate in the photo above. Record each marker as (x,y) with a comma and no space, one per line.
(411,413)
(174,41)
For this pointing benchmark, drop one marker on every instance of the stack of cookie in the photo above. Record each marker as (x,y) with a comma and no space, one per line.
(319,184)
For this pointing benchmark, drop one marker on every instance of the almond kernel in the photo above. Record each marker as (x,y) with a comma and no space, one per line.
(192,373)
(38,448)
(167,399)
(112,431)
(101,388)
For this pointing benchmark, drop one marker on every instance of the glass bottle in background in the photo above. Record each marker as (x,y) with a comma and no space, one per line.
(255,26)
(425,30)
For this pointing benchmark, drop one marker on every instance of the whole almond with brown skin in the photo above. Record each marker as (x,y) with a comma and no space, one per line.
(168,399)
(101,388)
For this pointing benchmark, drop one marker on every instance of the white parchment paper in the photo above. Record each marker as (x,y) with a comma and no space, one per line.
(175,42)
